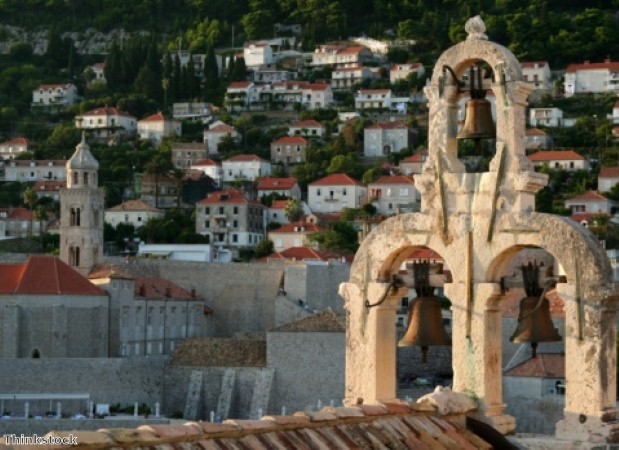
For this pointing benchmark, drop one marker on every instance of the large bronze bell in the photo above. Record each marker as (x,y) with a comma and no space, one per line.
(534,321)
(425,321)
(478,123)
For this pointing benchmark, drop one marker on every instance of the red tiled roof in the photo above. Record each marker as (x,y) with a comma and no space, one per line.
(317,86)
(17,213)
(45,275)
(245,158)
(587,217)
(535,132)
(227,196)
(417,158)
(610,65)
(106,111)
(415,65)
(290,140)
(588,196)
(240,84)
(159,289)
(269,184)
(388,126)
(133,205)
(544,365)
(46,186)
(279,204)
(295,227)
(300,254)
(159,117)
(557,155)
(206,162)
(374,91)
(16,141)
(395,179)
(531,64)
(337,179)
(221,128)
(54,86)
(609,172)
(306,124)
(353,49)
(424,253)
(348,69)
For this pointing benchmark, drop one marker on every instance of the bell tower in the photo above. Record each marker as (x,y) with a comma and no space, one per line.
(81,211)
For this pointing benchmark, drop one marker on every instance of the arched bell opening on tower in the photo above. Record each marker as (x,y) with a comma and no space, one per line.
(477,134)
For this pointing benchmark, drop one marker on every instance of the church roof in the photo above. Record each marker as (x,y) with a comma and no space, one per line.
(82,158)
(44,275)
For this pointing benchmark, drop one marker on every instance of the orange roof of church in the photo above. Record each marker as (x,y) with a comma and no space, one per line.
(45,275)
(544,365)
(557,155)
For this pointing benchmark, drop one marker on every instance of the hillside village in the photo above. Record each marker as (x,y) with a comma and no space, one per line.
(202,238)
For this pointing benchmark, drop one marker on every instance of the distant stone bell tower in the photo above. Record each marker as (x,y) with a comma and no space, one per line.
(81,211)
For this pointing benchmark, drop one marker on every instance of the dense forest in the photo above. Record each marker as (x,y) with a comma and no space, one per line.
(559,31)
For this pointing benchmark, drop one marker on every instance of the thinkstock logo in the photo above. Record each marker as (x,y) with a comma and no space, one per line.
(14,439)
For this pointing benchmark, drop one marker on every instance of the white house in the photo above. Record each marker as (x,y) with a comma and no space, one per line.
(589,202)
(23,170)
(11,148)
(607,178)
(289,150)
(559,159)
(316,95)
(98,71)
(107,122)
(49,189)
(214,135)
(292,235)
(54,95)
(384,138)
(614,117)
(346,77)
(194,111)
(211,168)
(287,187)
(537,73)
(535,139)
(394,194)
(403,71)
(335,192)
(340,56)
(257,54)
(276,212)
(157,126)
(595,78)
(245,167)
(241,95)
(545,117)
(307,128)
(131,212)
(373,99)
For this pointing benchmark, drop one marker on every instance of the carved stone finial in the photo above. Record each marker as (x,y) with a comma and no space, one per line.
(476,28)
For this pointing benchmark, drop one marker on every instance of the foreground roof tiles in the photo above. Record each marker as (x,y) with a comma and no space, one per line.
(44,275)
(557,155)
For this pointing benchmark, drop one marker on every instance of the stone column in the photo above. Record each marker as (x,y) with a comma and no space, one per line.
(476,359)
(371,343)
(590,349)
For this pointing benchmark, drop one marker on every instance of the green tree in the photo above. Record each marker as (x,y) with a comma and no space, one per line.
(263,248)
(211,76)
(341,237)
(30,200)
(293,210)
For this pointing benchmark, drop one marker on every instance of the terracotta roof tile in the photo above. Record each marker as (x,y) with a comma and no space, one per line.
(206,162)
(395,125)
(302,254)
(269,184)
(512,299)
(54,86)
(133,205)
(106,111)
(375,91)
(336,179)
(160,288)
(531,64)
(240,84)
(587,217)
(352,50)
(417,158)
(556,155)
(535,132)
(610,65)
(306,124)
(296,227)
(588,196)
(424,253)
(221,128)
(16,141)
(394,179)
(245,158)
(227,196)
(279,204)
(544,365)
(609,172)
(47,186)
(45,275)
(291,140)
(159,117)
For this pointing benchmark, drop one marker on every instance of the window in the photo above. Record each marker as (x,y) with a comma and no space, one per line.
(318,192)
(235,210)
(207,210)
(344,191)
(221,210)
(403,191)
(235,224)
(207,224)
(126,217)
(235,238)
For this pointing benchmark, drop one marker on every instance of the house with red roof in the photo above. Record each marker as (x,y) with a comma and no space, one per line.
(257,54)
(245,167)
(394,194)
(537,377)
(49,95)
(107,123)
(340,55)
(231,220)
(384,138)
(316,95)
(589,202)
(241,95)
(51,311)
(184,154)
(536,139)
(335,192)
(20,222)
(289,150)
(98,72)
(594,78)
(307,128)
(373,99)
(412,164)
(607,178)
(214,135)
(24,170)
(559,159)
(293,234)
(49,189)
(615,114)
(537,73)
(276,212)
(286,187)
(13,147)
(405,70)
(131,212)
(305,254)
(157,126)
(211,168)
